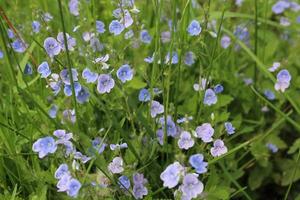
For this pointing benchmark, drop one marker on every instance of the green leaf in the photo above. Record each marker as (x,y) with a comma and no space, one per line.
(136,83)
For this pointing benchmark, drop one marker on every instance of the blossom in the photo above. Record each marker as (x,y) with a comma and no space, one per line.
(145,37)
(69,115)
(185,141)
(62,184)
(171,126)
(68,89)
(118,146)
(139,189)
(19,46)
(205,132)
(284,21)
(174,58)
(156,108)
(160,136)
(165,36)
(62,170)
(95,44)
(127,19)
(44,146)
(194,28)
(283,80)
(36,26)
(218,88)
(280,6)
(100,26)
(116,27)
(83,95)
(229,128)
(52,47)
(105,83)
(74,7)
(71,42)
(47,17)
(189,59)
(27,69)
(44,70)
(171,175)
(89,76)
(73,187)
(10,33)
(269,94)
(197,162)
(98,145)
(144,95)
(116,166)
(84,159)
(272,147)
(191,186)
(124,182)
(125,73)
(129,34)
(53,111)
(274,67)
(210,97)
(225,42)
(218,149)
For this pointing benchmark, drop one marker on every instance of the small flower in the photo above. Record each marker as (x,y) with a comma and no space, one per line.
(71,42)
(105,83)
(191,186)
(10,33)
(145,37)
(284,21)
(129,34)
(74,7)
(165,36)
(171,175)
(83,95)
(171,126)
(66,78)
(194,28)
(269,94)
(185,141)
(210,97)
(283,80)
(160,136)
(98,145)
(116,166)
(174,58)
(139,190)
(118,146)
(27,69)
(36,26)
(116,27)
(280,6)
(272,147)
(95,44)
(218,89)
(69,115)
(89,76)
(47,17)
(125,73)
(68,89)
(124,182)
(149,59)
(144,95)
(229,128)
(156,108)
(225,41)
(73,187)
(53,111)
(52,47)
(205,132)
(127,19)
(84,159)
(218,149)
(62,170)
(44,70)
(62,184)
(274,67)
(19,46)
(100,26)
(44,146)
(189,59)
(197,162)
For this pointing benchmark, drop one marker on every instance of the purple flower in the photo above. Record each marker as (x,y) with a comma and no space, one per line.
(125,73)
(272,147)
(36,26)
(145,37)
(44,70)
(73,187)
(124,182)
(194,28)
(44,146)
(139,191)
(138,179)
(98,145)
(225,41)
(95,44)
(27,69)
(205,132)
(189,59)
(100,26)
(1,54)
(171,175)
(171,126)
(197,162)
(52,47)
(68,89)
(19,46)
(269,94)
(53,111)
(83,95)
(174,58)
(116,166)
(165,36)
(62,184)
(71,42)
(229,128)
(62,170)
(10,33)
(127,19)
(156,108)
(89,76)
(47,17)
(280,6)
(284,21)
(210,97)
(274,67)
(116,27)
(105,83)
(149,59)
(191,186)
(129,34)
(84,159)
(218,149)
(144,95)
(66,78)
(69,115)
(283,80)
(218,89)
(160,136)
(185,141)
(74,7)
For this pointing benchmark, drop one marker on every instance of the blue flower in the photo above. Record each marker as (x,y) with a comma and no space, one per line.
(96,145)
(83,95)
(124,182)
(44,70)
(174,58)
(160,136)
(272,147)
(185,141)
(95,44)
(189,59)
(44,146)
(194,28)
(191,186)
(218,149)
(116,166)
(36,26)
(205,132)
(68,89)
(229,128)
(280,6)
(100,26)
(10,33)
(144,95)
(127,19)
(210,97)
(197,162)
(1,54)
(225,41)
(62,170)
(73,187)
(62,184)
(19,46)
(283,80)
(116,27)
(71,42)
(66,78)
(129,34)
(145,37)
(269,94)
(139,189)
(125,73)
(149,59)
(27,69)
(218,88)
(47,17)
(69,115)
(171,126)
(52,47)
(171,175)
(105,83)
(53,111)
(74,7)
(89,76)
(156,108)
